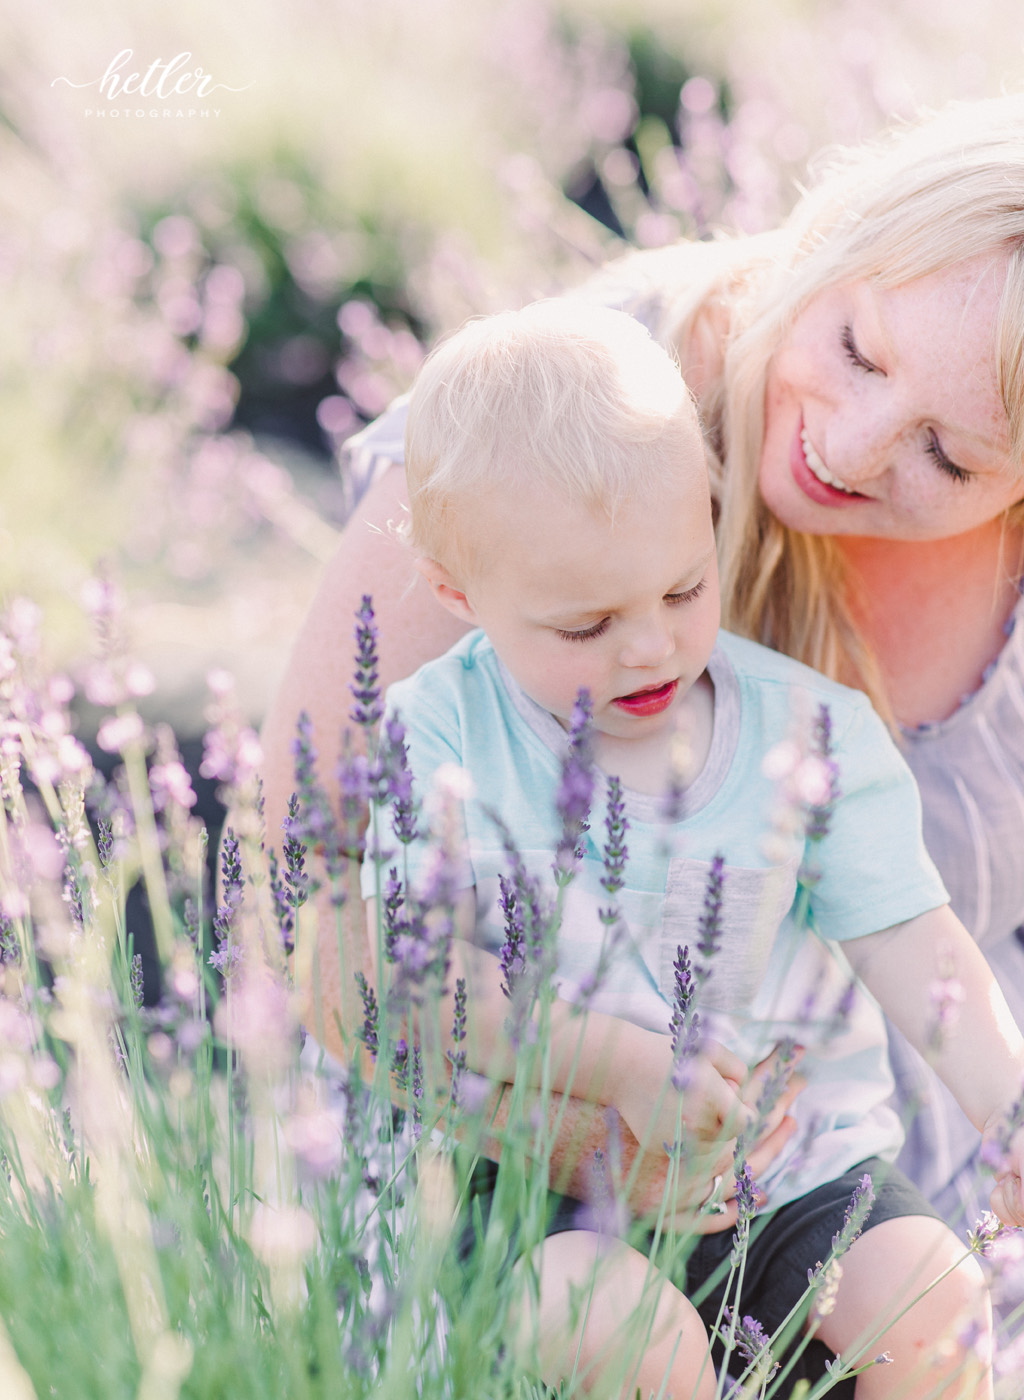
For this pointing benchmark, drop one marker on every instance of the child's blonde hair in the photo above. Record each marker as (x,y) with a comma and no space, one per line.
(574,396)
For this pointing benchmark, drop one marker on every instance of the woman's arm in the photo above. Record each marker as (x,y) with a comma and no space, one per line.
(412,627)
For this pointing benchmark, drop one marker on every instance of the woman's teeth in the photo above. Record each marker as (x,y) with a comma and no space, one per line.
(819,468)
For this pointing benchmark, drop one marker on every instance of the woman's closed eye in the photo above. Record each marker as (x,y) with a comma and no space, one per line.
(854,355)
(934,450)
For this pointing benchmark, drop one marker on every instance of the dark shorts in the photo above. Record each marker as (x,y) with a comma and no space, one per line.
(784,1244)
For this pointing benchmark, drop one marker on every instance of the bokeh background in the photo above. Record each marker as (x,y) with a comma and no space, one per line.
(203,296)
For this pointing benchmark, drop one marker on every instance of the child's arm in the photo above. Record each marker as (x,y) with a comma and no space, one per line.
(979,1053)
(599,1058)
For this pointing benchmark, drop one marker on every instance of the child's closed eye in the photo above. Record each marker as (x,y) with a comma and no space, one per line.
(689,595)
(585,634)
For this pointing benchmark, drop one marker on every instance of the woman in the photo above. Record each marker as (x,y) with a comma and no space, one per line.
(861,376)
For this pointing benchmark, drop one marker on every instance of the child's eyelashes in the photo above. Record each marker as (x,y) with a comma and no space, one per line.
(689,595)
(586,634)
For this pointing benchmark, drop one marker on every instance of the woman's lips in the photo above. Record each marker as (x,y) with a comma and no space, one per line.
(650,701)
(817,491)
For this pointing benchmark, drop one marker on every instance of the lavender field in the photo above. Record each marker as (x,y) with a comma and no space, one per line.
(228,235)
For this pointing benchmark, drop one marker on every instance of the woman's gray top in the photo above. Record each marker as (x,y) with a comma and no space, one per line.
(970,769)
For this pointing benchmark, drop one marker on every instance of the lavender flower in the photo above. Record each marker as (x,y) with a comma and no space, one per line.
(819,816)
(296,880)
(575,789)
(605,1213)
(228,954)
(190,916)
(353,775)
(104,842)
(748,1198)
(527,953)
(771,1091)
(748,1202)
(311,820)
(417,935)
(458,1056)
(367,710)
(710,922)
(752,1343)
(135,981)
(10,948)
(684,1026)
(615,852)
(946,995)
(394,777)
(72,895)
(988,1228)
(370,1032)
(392,899)
(284,913)
(857,1212)
(512,956)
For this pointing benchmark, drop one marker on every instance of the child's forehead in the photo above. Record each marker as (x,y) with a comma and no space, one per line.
(559,544)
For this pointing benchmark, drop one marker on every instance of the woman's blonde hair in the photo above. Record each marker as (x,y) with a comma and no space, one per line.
(921,200)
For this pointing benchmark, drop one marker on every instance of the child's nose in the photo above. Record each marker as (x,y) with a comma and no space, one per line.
(649,643)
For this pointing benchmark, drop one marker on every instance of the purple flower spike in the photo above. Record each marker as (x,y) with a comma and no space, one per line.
(710,923)
(369,1034)
(513,960)
(857,1212)
(283,911)
(228,954)
(752,1344)
(395,777)
(458,1056)
(575,789)
(616,852)
(684,1026)
(747,1195)
(819,815)
(367,709)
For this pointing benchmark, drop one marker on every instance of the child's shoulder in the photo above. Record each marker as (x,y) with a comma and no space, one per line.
(469,664)
(760,668)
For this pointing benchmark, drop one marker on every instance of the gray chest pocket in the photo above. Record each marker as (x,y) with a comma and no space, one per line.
(754,903)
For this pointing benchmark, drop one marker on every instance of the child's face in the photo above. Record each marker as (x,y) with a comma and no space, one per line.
(628,608)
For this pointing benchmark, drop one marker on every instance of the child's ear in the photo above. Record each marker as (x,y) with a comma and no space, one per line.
(446,590)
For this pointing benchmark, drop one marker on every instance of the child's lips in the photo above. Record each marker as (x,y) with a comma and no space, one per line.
(650,701)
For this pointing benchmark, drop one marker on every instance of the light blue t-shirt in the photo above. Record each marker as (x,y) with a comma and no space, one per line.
(771,979)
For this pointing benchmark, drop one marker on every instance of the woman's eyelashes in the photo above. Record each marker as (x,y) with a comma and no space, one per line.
(932,446)
(586,634)
(934,450)
(853,354)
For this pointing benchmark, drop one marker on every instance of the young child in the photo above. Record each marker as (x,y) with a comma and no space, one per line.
(560,503)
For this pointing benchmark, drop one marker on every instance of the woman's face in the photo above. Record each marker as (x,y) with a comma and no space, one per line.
(882,410)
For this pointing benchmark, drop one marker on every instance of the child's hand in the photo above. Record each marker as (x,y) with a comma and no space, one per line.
(707,1113)
(1007,1198)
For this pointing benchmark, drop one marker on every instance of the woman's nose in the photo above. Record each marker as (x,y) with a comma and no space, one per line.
(858,445)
